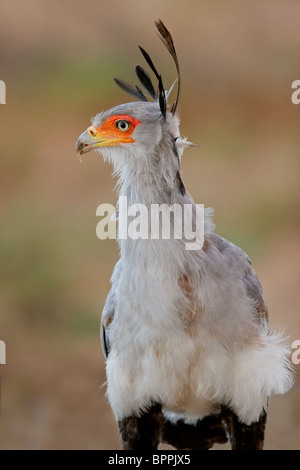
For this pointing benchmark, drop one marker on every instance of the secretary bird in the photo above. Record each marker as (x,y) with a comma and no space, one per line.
(190,356)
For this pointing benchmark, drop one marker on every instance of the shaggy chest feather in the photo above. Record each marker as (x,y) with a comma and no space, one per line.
(188,340)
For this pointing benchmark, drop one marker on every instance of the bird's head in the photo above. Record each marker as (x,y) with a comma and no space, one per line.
(138,131)
(130,129)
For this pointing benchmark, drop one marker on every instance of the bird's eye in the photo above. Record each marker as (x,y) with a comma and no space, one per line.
(123,125)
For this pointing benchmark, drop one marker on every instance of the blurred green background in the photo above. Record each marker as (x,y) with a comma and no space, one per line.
(58,59)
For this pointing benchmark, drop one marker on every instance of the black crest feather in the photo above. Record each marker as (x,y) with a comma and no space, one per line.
(145,79)
(162,97)
(160,94)
(149,61)
(167,40)
(140,92)
(136,92)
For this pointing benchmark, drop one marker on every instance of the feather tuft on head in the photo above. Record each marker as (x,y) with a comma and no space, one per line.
(145,80)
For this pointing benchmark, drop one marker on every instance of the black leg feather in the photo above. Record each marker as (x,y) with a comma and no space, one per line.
(143,432)
(243,436)
(150,429)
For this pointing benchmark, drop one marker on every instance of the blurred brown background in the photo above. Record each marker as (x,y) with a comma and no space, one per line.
(57,58)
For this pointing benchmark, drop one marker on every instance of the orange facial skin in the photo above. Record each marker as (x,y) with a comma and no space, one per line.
(111,134)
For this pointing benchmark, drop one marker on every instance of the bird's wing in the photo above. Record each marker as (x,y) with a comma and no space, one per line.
(243,265)
(254,291)
(109,309)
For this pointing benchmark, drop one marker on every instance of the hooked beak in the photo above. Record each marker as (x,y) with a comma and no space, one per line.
(91,139)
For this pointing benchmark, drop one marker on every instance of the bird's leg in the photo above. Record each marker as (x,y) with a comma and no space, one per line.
(142,432)
(243,436)
(199,436)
